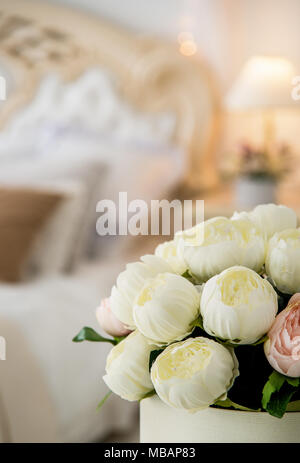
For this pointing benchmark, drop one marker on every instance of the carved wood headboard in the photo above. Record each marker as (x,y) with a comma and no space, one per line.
(37,37)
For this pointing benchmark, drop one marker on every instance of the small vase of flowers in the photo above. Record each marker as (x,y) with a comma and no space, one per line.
(257,173)
(205,332)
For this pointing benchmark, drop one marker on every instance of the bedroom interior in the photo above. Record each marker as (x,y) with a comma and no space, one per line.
(103,97)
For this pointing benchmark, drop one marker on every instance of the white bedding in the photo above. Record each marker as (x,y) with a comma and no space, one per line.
(83,132)
(50,386)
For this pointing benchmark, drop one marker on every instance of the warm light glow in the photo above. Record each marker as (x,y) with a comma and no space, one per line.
(184,36)
(188,48)
(268,68)
(265,81)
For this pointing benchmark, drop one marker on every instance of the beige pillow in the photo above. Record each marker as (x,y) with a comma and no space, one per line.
(48,254)
(23,211)
(52,172)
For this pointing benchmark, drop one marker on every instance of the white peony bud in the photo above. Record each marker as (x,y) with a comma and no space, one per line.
(241,215)
(253,244)
(238,305)
(166,307)
(127,367)
(170,252)
(283,260)
(225,243)
(130,282)
(271,218)
(194,373)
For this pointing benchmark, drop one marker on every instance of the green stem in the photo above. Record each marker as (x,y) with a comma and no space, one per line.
(103,400)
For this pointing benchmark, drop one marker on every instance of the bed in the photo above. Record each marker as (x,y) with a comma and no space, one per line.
(49,387)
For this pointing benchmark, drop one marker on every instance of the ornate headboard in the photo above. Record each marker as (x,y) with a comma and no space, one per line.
(36,37)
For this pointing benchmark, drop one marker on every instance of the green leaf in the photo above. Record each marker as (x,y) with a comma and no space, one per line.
(227,403)
(227,343)
(235,342)
(153,355)
(277,380)
(293,406)
(279,402)
(293,381)
(186,274)
(260,341)
(267,393)
(198,322)
(189,277)
(88,334)
(119,338)
(277,393)
(273,384)
(149,394)
(100,404)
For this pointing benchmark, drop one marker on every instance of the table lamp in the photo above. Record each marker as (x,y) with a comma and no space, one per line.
(264,84)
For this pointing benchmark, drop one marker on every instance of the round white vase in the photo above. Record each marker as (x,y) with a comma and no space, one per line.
(161,423)
(251,191)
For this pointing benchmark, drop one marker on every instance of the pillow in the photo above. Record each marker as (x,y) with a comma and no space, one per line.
(82,168)
(22,214)
(73,131)
(91,102)
(53,248)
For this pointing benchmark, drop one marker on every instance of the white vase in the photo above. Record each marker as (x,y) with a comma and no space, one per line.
(249,191)
(161,423)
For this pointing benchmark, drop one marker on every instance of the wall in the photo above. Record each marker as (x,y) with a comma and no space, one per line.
(227,33)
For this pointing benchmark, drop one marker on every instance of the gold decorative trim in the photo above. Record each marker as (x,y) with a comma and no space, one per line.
(37,38)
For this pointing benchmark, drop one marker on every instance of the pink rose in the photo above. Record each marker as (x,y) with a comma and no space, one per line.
(282,349)
(108,321)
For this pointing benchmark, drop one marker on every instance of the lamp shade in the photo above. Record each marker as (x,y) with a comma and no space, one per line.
(264,82)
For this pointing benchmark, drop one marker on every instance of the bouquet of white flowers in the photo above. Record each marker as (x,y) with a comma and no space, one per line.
(209,320)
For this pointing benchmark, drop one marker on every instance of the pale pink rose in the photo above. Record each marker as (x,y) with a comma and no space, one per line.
(282,349)
(108,321)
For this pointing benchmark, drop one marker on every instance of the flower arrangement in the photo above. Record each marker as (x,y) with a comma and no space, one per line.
(212,318)
(255,162)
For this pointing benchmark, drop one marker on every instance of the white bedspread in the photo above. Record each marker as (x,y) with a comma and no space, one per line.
(50,386)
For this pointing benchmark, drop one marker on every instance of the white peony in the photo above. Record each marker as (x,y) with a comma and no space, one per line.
(127,367)
(238,305)
(169,251)
(194,374)
(253,244)
(270,218)
(283,260)
(130,282)
(225,243)
(166,307)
